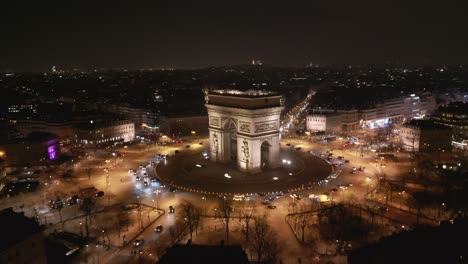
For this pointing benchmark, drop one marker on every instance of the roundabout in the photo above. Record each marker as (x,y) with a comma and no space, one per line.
(192,170)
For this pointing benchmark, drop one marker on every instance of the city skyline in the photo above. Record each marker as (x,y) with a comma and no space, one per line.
(154,35)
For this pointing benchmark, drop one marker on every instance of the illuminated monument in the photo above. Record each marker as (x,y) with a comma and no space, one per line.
(244,128)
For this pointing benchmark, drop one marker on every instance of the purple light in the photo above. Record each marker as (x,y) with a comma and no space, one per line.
(52,152)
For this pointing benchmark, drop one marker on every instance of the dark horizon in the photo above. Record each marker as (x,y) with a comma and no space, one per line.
(148,35)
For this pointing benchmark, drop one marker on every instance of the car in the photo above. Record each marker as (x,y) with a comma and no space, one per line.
(145,183)
(346,161)
(176,151)
(100,194)
(266,202)
(138,178)
(238,197)
(138,242)
(173,189)
(159,229)
(271,206)
(153,180)
(187,146)
(298,148)
(171,209)
(295,196)
(288,144)
(201,143)
(141,166)
(383,209)
(145,174)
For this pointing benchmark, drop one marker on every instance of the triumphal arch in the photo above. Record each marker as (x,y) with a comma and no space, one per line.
(244,128)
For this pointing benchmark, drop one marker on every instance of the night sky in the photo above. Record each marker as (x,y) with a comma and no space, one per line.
(152,34)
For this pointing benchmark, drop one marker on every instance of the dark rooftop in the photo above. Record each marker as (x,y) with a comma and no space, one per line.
(204,254)
(425,124)
(458,108)
(15,227)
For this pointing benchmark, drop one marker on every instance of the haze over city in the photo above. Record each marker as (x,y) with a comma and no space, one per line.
(234,132)
(154,34)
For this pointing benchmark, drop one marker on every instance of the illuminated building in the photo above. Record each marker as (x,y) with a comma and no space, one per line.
(105,133)
(425,135)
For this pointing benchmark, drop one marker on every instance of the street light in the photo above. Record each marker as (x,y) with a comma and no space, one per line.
(204,198)
(157,198)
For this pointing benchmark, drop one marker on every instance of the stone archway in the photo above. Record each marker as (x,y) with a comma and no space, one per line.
(230,139)
(265,155)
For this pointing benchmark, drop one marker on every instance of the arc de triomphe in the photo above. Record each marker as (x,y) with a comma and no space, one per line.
(244,128)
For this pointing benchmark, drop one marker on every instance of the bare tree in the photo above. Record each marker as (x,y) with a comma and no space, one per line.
(225,216)
(178,230)
(303,220)
(122,219)
(264,242)
(246,216)
(87,206)
(191,214)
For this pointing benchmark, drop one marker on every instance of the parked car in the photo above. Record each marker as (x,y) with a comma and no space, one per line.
(100,194)
(138,242)
(171,209)
(159,229)
(173,189)
(271,206)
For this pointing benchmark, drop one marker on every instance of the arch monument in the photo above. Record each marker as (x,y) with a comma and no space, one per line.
(244,128)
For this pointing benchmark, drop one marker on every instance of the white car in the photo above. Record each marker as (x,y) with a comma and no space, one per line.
(138,242)
(238,197)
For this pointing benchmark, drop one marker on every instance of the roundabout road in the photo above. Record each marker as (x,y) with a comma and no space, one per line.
(190,170)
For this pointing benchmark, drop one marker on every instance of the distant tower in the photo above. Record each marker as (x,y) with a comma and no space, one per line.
(256,62)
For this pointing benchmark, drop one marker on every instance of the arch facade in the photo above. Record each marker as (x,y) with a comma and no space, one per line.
(243,131)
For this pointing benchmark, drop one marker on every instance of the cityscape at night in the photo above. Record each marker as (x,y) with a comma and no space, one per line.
(248,132)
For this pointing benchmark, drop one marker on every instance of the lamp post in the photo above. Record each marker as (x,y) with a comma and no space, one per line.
(204,198)
(107,176)
(108,240)
(157,198)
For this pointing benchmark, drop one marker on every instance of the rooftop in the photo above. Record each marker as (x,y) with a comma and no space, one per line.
(458,108)
(425,124)
(15,227)
(204,254)
(246,93)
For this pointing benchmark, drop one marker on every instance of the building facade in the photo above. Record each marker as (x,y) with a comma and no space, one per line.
(105,132)
(390,111)
(454,115)
(63,130)
(425,135)
(328,122)
(183,125)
